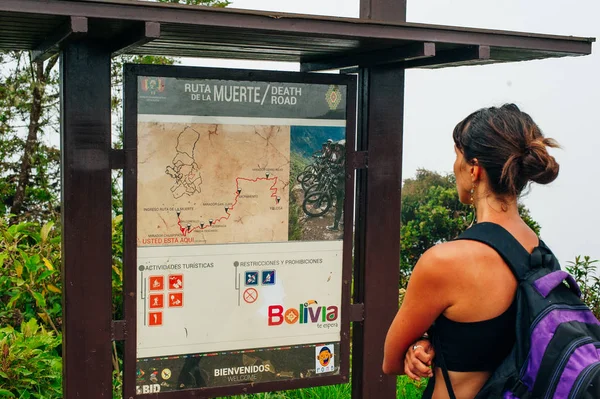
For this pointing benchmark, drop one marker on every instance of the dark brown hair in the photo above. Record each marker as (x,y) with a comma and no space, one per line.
(509,145)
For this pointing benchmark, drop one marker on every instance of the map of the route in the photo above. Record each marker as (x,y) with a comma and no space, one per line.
(212,184)
(184,169)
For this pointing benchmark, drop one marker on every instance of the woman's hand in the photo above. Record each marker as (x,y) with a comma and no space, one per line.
(417,362)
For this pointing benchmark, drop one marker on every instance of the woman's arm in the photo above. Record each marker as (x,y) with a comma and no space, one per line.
(427,296)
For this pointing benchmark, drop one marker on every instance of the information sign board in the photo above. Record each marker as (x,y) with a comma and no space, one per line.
(242,196)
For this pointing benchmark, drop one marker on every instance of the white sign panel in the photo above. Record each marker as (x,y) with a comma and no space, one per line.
(237,297)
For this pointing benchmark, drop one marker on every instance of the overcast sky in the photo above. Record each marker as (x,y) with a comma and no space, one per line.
(562,96)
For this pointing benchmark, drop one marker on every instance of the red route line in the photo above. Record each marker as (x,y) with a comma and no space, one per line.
(185,231)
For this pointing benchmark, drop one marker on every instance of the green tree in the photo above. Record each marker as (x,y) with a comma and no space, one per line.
(28,111)
(431,214)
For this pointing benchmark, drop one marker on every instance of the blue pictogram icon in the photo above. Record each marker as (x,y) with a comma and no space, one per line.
(251,278)
(268,277)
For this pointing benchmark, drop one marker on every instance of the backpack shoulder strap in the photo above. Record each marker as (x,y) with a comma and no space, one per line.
(441,363)
(497,237)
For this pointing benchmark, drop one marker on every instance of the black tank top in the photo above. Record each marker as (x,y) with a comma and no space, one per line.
(476,346)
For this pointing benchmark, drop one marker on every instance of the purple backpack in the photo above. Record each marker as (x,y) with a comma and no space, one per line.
(557,349)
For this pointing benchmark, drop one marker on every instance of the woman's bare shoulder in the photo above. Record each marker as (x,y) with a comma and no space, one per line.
(451,256)
(453,250)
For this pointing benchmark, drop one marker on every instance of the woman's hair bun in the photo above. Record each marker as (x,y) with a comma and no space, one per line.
(538,165)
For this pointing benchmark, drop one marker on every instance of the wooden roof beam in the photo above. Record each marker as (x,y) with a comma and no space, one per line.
(455,57)
(137,36)
(76,27)
(415,51)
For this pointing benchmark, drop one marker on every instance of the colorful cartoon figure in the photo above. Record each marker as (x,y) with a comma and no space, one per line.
(325,356)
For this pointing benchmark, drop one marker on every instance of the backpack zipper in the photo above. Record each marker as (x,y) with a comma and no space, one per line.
(539,317)
(587,373)
(563,359)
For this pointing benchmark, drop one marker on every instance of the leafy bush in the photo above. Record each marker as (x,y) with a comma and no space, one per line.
(117,266)
(30,283)
(30,365)
(30,289)
(585,272)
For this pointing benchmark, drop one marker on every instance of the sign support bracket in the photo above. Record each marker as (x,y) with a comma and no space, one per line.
(117,159)
(118,330)
(357,312)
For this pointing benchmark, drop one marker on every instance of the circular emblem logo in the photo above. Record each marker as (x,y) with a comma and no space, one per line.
(291,316)
(166,374)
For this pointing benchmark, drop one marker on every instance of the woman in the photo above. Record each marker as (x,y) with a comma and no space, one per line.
(464,286)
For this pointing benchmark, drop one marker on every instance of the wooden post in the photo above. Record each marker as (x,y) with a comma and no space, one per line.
(377,257)
(383,10)
(86,219)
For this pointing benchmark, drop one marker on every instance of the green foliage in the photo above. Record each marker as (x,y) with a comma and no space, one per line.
(409,389)
(30,287)
(117,266)
(432,213)
(30,283)
(30,365)
(117,300)
(117,380)
(585,272)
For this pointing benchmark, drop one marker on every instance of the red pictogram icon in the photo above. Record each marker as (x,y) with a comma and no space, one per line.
(155,319)
(175,281)
(250,295)
(176,299)
(157,283)
(157,301)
